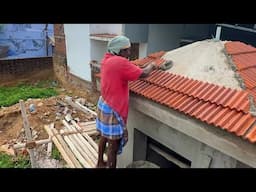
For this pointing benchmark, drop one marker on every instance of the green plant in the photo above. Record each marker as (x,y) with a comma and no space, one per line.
(12,95)
(8,161)
(55,153)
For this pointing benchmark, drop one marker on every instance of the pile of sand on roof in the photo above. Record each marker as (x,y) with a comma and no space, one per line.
(204,60)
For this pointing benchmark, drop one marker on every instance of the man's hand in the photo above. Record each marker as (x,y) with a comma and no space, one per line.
(154,65)
(147,70)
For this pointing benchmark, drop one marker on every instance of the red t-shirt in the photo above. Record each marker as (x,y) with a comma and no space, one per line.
(116,72)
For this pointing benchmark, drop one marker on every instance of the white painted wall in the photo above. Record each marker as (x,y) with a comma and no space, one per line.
(98,49)
(78,50)
(106,28)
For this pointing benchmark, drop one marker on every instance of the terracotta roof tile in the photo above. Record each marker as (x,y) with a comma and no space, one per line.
(153,57)
(236,47)
(227,109)
(201,90)
(156,54)
(244,57)
(245,60)
(252,134)
(222,107)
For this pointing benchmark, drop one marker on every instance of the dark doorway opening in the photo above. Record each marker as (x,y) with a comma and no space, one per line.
(164,157)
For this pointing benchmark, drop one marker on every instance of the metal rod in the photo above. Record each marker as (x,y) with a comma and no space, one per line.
(237,27)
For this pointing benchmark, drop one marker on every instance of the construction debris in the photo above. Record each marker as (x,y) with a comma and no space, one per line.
(28,134)
(48,111)
(77,149)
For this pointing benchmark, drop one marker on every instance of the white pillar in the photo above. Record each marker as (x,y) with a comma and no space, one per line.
(218,32)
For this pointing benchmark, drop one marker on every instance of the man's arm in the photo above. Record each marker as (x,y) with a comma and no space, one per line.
(147,70)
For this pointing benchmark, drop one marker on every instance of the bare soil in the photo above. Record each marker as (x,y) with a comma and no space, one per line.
(47,111)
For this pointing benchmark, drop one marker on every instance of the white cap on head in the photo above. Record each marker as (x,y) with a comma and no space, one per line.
(118,43)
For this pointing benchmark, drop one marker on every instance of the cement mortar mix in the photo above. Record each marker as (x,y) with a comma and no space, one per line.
(204,60)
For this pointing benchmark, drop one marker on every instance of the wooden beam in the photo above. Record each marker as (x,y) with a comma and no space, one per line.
(32,143)
(89,139)
(28,134)
(49,149)
(61,149)
(86,108)
(82,144)
(77,105)
(67,149)
(70,102)
(76,152)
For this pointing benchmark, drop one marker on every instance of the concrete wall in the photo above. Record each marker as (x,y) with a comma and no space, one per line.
(61,69)
(13,71)
(143,50)
(198,31)
(168,36)
(204,147)
(238,35)
(106,28)
(98,49)
(137,33)
(164,37)
(78,50)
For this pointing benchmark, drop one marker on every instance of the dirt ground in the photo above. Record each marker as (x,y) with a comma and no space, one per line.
(47,111)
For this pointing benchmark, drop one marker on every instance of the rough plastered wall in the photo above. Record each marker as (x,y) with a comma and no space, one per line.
(204,60)
(14,71)
(59,53)
(61,70)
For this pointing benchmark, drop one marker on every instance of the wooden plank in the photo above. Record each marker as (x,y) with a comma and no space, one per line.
(86,108)
(77,105)
(89,139)
(87,127)
(35,143)
(49,149)
(83,145)
(70,102)
(77,153)
(87,123)
(90,132)
(86,142)
(66,132)
(59,147)
(28,134)
(82,150)
(67,149)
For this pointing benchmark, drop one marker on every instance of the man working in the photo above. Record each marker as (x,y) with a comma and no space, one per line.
(116,72)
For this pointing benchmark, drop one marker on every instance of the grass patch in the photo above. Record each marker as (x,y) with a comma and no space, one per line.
(11,95)
(8,161)
(55,153)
